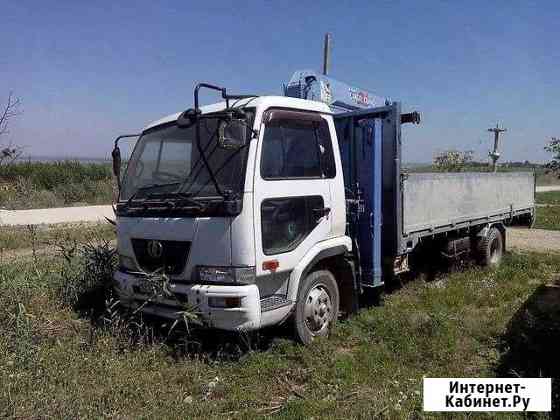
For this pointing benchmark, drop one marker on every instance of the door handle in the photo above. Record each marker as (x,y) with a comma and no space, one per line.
(320,212)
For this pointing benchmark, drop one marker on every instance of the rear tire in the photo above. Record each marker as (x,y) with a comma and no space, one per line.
(317,306)
(491,248)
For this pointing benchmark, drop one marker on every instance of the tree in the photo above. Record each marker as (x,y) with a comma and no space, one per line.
(553,147)
(8,152)
(453,160)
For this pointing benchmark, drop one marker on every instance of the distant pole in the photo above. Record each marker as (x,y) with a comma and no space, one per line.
(327,54)
(495,154)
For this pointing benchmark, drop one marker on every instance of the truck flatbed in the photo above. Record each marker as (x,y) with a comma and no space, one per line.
(435,203)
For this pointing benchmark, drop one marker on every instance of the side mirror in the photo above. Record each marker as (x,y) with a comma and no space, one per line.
(232,134)
(116,155)
(188,118)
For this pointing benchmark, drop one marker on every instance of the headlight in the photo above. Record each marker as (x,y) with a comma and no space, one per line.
(127,263)
(234,275)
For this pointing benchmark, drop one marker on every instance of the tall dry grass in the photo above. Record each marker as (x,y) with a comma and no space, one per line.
(27,185)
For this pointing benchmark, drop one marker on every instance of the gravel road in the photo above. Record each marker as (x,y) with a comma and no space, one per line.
(55,215)
(547,188)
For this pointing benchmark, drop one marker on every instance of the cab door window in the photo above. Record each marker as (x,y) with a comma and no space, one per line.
(296,145)
(286,222)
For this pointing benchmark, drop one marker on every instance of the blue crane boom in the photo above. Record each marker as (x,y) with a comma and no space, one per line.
(341,97)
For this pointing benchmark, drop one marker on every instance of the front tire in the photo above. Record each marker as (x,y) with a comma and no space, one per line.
(317,306)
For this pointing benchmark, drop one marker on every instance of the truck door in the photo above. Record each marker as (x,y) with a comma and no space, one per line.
(291,191)
(360,137)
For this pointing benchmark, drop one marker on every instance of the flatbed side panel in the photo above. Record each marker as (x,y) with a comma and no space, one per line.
(438,202)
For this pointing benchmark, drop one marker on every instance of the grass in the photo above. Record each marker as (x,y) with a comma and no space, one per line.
(56,361)
(48,175)
(550,197)
(54,184)
(27,237)
(547,178)
(548,218)
(548,215)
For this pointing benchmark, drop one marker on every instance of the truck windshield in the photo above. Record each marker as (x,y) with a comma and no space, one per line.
(166,161)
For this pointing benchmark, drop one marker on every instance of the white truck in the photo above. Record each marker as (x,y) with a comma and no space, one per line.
(263,209)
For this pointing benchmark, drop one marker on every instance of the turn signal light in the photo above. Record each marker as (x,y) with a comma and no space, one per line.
(271,265)
(224,302)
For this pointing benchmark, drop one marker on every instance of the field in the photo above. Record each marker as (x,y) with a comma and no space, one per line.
(547,178)
(550,198)
(40,237)
(54,184)
(548,210)
(66,351)
(548,218)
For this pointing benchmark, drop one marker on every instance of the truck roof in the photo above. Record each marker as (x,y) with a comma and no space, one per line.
(257,102)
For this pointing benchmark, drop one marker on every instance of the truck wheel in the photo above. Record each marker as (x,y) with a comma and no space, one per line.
(317,306)
(491,248)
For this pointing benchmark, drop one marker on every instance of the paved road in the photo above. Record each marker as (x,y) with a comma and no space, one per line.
(548,188)
(56,215)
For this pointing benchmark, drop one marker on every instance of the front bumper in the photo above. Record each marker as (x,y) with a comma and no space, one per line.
(246,317)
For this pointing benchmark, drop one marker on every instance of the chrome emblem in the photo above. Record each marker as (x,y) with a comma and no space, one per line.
(155,249)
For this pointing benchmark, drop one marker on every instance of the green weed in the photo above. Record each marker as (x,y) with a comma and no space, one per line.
(548,218)
(549,197)
(21,237)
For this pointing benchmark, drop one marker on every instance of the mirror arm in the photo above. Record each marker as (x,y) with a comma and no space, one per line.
(207,86)
(204,160)
(116,155)
(254,133)
(197,117)
(197,114)
(222,90)
(123,137)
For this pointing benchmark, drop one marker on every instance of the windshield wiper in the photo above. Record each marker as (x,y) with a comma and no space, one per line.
(146,188)
(182,198)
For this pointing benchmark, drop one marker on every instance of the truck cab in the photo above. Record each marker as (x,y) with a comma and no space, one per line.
(239,229)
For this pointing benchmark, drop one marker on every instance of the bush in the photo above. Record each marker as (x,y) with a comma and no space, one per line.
(51,184)
(48,175)
(87,280)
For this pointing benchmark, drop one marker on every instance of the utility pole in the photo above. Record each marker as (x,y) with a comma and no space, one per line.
(495,154)
(327,54)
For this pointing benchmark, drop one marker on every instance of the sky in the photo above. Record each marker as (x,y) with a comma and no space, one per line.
(89,71)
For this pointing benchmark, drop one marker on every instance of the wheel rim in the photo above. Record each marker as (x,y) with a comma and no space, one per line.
(318,309)
(495,251)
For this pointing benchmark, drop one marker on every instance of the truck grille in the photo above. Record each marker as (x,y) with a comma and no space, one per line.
(172,260)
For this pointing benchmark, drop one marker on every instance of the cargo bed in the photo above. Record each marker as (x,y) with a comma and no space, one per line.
(433,203)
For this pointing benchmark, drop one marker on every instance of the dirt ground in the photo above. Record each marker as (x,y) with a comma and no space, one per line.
(538,240)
